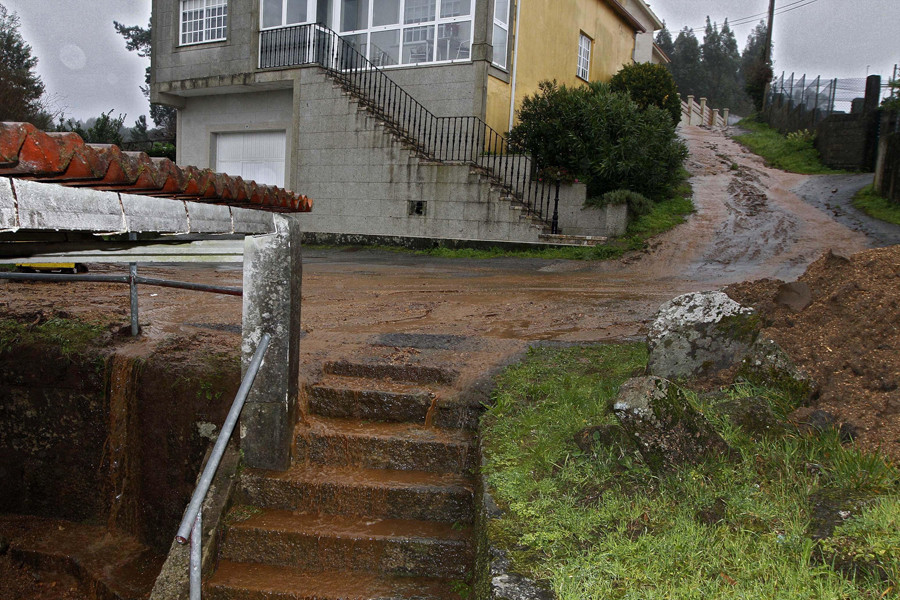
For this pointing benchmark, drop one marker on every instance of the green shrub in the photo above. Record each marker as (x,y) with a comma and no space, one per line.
(649,85)
(593,134)
(638,204)
(163,150)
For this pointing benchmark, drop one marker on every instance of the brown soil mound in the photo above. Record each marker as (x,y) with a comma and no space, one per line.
(847,338)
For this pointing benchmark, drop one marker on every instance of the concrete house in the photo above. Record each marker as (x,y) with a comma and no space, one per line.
(391,114)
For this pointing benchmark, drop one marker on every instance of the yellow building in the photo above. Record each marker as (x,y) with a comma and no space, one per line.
(572,42)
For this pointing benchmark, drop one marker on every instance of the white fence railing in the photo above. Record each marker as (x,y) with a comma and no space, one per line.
(698,113)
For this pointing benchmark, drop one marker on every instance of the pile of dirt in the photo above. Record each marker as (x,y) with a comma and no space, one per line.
(23,583)
(847,338)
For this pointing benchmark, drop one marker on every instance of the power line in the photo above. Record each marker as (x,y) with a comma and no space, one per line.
(780,10)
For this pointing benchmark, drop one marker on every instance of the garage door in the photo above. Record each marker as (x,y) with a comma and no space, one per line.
(256,156)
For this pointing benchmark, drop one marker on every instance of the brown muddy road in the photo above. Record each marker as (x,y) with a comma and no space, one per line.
(748,225)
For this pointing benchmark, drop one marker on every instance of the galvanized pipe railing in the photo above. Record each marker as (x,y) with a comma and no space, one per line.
(460,139)
(132,279)
(190,528)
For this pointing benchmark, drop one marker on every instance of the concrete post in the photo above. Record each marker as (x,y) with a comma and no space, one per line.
(272,277)
(715,117)
(690,103)
(725,114)
(703,111)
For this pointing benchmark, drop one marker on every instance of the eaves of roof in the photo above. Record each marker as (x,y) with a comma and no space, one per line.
(627,16)
(29,153)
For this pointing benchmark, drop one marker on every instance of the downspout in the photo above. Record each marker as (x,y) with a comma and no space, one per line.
(512,95)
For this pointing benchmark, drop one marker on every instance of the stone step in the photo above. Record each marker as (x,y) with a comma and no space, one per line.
(376,493)
(394,371)
(388,401)
(317,542)
(398,446)
(243,581)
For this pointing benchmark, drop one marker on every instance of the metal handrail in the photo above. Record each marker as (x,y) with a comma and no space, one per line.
(190,528)
(456,139)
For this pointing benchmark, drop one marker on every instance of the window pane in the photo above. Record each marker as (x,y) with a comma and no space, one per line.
(271,13)
(418,44)
(385,48)
(500,50)
(454,40)
(354,14)
(385,12)
(419,11)
(296,12)
(455,8)
(501,11)
(358,42)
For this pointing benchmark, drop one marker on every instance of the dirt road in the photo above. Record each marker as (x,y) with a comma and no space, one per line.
(748,225)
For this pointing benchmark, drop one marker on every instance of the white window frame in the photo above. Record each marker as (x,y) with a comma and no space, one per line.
(584,57)
(207,21)
(499,59)
(310,15)
(402,27)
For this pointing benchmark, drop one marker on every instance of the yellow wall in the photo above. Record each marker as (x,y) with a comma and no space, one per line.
(548,49)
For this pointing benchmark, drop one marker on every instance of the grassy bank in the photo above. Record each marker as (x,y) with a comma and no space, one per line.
(794,153)
(599,524)
(868,201)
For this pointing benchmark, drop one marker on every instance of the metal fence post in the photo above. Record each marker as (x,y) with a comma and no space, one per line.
(196,555)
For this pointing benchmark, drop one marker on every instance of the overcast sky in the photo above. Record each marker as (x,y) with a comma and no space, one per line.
(85,66)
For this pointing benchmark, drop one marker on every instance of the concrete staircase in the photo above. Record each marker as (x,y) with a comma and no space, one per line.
(378,502)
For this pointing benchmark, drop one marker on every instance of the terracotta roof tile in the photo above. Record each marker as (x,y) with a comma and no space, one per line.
(29,153)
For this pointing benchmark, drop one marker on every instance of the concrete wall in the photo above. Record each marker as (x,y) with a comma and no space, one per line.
(204,116)
(364,181)
(842,140)
(237,54)
(887,167)
(445,90)
(577,219)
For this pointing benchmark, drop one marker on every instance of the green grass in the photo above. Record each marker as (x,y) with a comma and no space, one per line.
(796,155)
(868,201)
(601,525)
(71,336)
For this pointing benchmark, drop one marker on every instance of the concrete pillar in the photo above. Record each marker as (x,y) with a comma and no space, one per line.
(272,277)
(715,117)
(873,93)
(725,114)
(703,111)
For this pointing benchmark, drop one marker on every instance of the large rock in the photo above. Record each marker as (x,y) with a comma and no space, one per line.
(768,365)
(700,333)
(667,430)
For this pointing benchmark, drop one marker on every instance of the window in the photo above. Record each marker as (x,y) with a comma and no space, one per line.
(279,13)
(203,21)
(407,32)
(501,32)
(584,57)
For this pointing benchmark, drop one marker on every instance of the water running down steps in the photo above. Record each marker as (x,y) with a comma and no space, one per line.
(378,503)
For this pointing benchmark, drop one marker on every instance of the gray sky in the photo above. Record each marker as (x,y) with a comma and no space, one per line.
(84,64)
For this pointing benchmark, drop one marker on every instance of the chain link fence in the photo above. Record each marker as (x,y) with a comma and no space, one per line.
(827,95)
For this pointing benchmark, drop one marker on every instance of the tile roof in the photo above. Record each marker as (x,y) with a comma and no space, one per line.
(29,153)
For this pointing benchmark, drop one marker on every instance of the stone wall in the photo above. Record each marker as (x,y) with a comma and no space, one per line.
(887,168)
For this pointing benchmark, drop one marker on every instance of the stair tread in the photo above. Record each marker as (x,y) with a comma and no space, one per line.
(446,396)
(326,585)
(316,425)
(359,477)
(352,527)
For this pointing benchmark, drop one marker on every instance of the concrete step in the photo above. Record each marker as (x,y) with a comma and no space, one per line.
(388,401)
(376,493)
(394,371)
(573,240)
(316,542)
(243,581)
(398,446)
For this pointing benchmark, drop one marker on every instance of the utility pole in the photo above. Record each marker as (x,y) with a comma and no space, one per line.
(767,54)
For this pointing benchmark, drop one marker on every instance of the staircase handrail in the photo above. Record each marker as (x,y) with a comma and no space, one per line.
(454,139)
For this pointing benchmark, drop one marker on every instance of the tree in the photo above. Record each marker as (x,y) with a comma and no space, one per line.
(138,39)
(685,66)
(21,90)
(664,41)
(756,72)
(722,63)
(649,85)
(104,129)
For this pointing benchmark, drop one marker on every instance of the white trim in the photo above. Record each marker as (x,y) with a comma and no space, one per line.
(463,51)
(209,13)
(584,57)
(515,67)
(503,25)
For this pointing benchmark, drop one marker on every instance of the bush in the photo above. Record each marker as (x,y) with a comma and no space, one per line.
(593,134)
(162,150)
(649,85)
(638,205)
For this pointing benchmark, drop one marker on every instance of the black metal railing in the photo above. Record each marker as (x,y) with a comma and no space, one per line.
(455,139)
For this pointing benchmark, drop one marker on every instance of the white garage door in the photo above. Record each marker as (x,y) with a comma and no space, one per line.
(256,156)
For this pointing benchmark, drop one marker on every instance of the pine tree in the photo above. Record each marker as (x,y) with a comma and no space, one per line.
(664,41)
(138,39)
(756,73)
(21,90)
(685,67)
